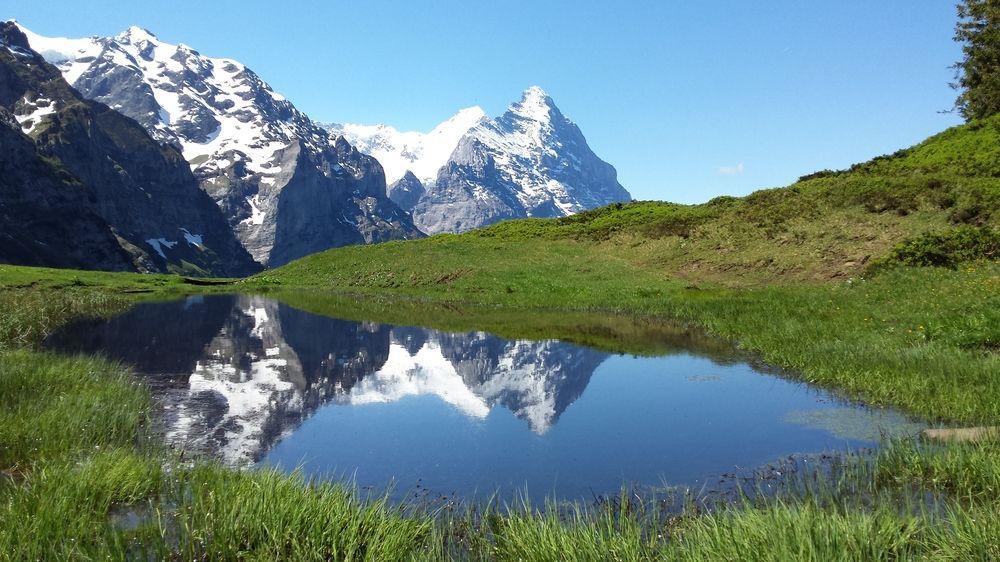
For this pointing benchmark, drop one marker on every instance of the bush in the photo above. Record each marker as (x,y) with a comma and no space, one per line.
(946,249)
(969,213)
(902,203)
(820,174)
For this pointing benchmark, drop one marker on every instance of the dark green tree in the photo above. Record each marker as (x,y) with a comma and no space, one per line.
(978,73)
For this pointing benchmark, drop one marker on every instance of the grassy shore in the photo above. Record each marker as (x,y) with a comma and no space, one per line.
(811,277)
(80,468)
(827,278)
(921,339)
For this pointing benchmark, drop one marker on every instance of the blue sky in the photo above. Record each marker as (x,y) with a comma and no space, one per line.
(688,101)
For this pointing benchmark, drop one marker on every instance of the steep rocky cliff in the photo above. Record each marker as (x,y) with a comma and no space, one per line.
(285,185)
(88,187)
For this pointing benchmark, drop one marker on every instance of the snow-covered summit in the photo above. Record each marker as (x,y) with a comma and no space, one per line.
(471,170)
(135,34)
(421,153)
(535,105)
(531,161)
(206,106)
(245,143)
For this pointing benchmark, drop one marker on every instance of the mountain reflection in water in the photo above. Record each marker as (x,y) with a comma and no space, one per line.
(239,372)
(249,380)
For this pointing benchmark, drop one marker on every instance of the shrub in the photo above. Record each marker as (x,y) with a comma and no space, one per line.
(882,201)
(820,174)
(946,249)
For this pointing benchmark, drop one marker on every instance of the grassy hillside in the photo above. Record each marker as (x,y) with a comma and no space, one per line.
(802,275)
(827,226)
(788,273)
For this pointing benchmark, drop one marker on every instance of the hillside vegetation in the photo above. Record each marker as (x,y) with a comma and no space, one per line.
(830,225)
(817,277)
(811,277)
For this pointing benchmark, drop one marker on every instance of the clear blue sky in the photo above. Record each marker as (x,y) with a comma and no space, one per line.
(674,94)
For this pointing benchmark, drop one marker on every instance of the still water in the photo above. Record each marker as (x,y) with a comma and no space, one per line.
(250,380)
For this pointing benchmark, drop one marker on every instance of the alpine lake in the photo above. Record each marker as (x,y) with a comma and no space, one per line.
(419,412)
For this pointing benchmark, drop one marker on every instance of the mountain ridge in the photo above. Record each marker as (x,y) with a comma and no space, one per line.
(421,154)
(531,161)
(99,170)
(286,186)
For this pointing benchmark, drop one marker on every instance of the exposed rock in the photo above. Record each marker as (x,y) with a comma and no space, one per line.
(399,152)
(89,188)
(530,162)
(284,185)
(407,191)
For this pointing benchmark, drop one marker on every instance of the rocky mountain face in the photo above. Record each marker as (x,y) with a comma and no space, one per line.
(530,162)
(407,191)
(286,186)
(84,186)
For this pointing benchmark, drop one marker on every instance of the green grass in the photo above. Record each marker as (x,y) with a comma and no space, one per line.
(921,339)
(615,333)
(14,276)
(62,510)
(116,503)
(807,531)
(30,315)
(970,472)
(82,481)
(274,515)
(77,456)
(783,273)
(786,273)
(55,407)
(827,227)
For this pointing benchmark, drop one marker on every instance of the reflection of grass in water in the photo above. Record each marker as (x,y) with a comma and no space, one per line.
(616,333)
(851,423)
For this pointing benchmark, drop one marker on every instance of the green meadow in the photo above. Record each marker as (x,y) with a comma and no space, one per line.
(880,282)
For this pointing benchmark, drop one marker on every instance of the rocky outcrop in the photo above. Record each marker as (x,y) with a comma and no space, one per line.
(90,188)
(407,191)
(401,152)
(47,218)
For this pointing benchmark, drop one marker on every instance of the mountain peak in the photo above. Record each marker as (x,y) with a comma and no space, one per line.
(529,162)
(136,34)
(233,128)
(535,104)
(12,35)
(456,125)
(473,111)
(421,153)
(467,115)
(534,92)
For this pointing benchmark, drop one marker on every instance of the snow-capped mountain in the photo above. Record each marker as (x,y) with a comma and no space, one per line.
(421,154)
(84,186)
(530,162)
(286,186)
